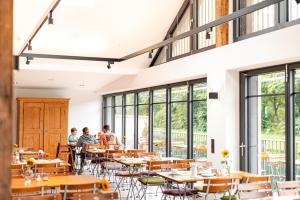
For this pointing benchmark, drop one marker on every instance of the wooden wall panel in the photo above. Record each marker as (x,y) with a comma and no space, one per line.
(6,63)
(222,9)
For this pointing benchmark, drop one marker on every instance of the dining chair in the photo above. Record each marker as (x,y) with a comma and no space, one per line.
(68,191)
(65,153)
(176,189)
(109,166)
(17,173)
(255,179)
(288,188)
(147,154)
(187,161)
(89,196)
(39,197)
(136,151)
(217,186)
(32,190)
(53,171)
(150,178)
(254,190)
(17,166)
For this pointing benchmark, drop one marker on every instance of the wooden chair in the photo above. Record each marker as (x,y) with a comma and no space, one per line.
(39,197)
(89,196)
(187,161)
(136,151)
(17,173)
(53,171)
(288,188)
(256,179)
(168,167)
(215,186)
(32,190)
(64,152)
(146,154)
(17,166)
(254,190)
(68,191)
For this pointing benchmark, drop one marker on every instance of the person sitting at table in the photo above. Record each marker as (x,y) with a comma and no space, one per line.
(83,141)
(73,137)
(107,138)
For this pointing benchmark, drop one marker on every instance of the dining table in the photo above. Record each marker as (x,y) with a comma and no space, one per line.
(41,162)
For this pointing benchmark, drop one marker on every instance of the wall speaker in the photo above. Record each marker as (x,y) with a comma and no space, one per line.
(214,95)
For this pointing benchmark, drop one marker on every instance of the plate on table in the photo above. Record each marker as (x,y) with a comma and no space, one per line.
(207,174)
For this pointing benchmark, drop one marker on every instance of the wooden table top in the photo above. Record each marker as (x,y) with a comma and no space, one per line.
(186,176)
(55,181)
(141,161)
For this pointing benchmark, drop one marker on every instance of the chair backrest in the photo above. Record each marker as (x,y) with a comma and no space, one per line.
(255,179)
(65,153)
(136,151)
(32,190)
(39,197)
(255,190)
(70,190)
(17,166)
(187,161)
(218,185)
(153,165)
(170,166)
(90,146)
(17,173)
(53,171)
(147,154)
(114,151)
(288,188)
(45,165)
(88,196)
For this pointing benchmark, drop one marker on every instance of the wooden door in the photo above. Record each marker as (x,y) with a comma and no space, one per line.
(55,126)
(33,125)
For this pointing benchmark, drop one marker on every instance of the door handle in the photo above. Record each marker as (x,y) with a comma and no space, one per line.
(242,146)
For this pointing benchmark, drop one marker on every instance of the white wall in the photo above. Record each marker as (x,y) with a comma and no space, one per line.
(221,66)
(84,107)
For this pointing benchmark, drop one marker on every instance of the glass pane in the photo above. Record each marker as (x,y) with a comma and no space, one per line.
(200,129)
(143,97)
(200,91)
(118,122)
(179,130)
(159,128)
(118,100)
(258,20)
(162,57)
(297,133)
(129,132)
(179,93)
(271,83)
(143,127)
(159,95)
(130,99)
(297,80)
(108,116)
(294,10)
(108,101)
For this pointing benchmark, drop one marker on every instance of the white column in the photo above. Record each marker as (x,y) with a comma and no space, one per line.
(223,116)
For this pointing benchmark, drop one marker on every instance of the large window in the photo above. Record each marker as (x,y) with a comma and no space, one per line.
(108,111)
(199,107)
(129,121)
(118,116)
(157,119)
(143,120)
(179,116)
(270,119)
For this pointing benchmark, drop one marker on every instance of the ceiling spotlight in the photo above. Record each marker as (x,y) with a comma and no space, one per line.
(208,33)
(27,61)
(50,18)
(29,46)
(150,54)
(109,64)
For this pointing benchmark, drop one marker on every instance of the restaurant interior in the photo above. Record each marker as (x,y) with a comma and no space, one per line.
(140,99)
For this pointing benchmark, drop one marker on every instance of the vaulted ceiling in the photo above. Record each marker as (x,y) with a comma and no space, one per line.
(99,28)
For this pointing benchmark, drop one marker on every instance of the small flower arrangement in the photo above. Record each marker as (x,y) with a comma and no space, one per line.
(156,145)
(30,162)
(105,186)
(225,154)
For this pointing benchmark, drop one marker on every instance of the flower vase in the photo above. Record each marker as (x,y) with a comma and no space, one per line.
(28,175)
